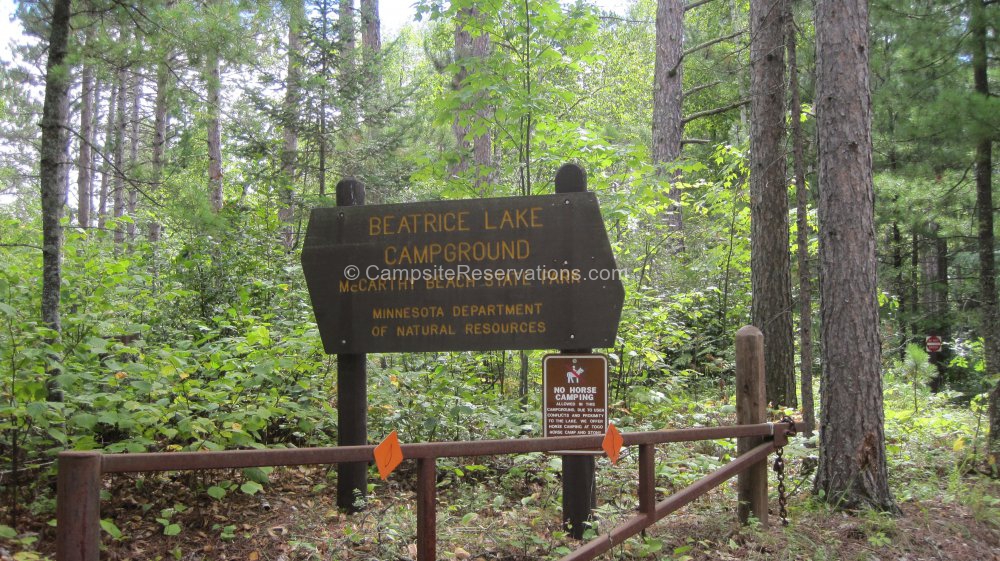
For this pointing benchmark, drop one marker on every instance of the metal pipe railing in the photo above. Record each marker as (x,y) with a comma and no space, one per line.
(78,511)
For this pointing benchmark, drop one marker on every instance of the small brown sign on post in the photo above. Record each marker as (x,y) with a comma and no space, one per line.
(576,395)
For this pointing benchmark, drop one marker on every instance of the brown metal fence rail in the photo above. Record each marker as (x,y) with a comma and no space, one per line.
(79,481)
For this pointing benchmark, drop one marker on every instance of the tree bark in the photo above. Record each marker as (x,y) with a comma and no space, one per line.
(118,188)
(852,470)
(989,322)
(348,72)
(770,262)
(802,225)
(53,162)
(213,81)
(902,290)
(107,147)
(290,129)
(133,155)
(668,124)
(468,49)
(160,118)
(85,162)
(371,34)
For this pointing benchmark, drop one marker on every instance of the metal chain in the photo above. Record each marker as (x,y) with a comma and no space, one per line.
(779,470)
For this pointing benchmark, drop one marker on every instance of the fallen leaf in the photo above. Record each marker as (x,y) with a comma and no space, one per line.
(462,554)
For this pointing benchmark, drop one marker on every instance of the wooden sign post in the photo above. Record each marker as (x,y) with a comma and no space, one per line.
(579,482)
(352,392)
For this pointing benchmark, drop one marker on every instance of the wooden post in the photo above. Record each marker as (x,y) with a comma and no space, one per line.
(751,408)
(579,485)
(426,509)
(352,393)
(78,507)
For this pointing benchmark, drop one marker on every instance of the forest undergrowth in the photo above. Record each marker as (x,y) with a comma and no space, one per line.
(508,507)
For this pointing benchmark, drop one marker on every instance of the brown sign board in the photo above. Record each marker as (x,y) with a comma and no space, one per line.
(576,395)
(506,273)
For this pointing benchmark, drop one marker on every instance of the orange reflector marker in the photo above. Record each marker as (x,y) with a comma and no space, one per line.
(388,455)
(612,443)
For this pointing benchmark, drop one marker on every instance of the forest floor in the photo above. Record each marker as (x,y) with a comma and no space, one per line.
(295,518)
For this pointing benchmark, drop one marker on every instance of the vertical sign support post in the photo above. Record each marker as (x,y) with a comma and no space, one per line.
(578,482)
(352,392)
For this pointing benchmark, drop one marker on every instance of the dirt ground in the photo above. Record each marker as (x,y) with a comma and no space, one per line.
(295,518)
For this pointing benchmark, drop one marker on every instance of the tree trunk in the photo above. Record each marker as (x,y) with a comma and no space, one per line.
(770,263)
(290,132)
(463,53)
(160,117)
(324,69)
(118,190)
(348,72)
(902,292)
(52,169)
(213,81)
(852,463)
(371,34)
(802,226)
(469,48)
(668,124)
(107,147)
(85,161)
(133,155)
(942,315)
(984,205)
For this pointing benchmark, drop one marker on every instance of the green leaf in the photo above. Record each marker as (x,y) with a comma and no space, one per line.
(216,492)
(84,420)
(251,487)
(57,435)
(112,530)
(172,530)
(258,474)
(6,532)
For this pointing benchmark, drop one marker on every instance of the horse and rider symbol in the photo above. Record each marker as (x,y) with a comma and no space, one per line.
(574,373)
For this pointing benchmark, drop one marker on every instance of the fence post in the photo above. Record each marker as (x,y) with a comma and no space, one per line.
(78,506)
(352,392)
(751,408)
(427,509)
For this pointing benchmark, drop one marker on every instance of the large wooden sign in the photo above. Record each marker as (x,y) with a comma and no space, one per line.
(507,273)
(576,395)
